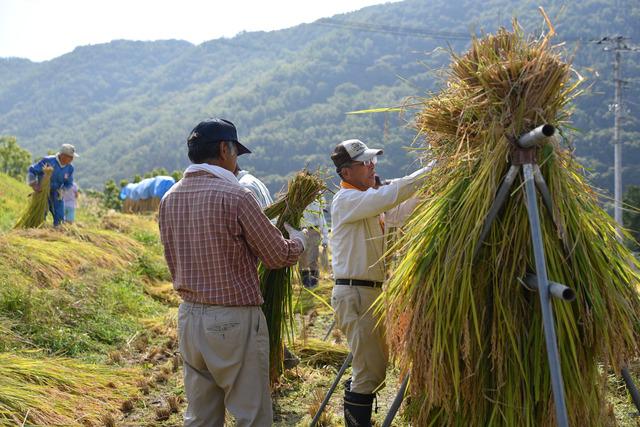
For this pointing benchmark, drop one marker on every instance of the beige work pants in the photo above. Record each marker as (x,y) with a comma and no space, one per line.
(309,258)
(355,318)
(226,365)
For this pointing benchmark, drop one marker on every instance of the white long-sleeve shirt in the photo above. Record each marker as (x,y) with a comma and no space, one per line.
(314,217)
(357,240)
(257,187)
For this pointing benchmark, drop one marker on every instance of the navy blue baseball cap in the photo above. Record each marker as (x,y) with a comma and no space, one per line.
(216,130)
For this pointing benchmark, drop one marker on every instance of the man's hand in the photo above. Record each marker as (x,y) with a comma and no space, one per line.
(300,235)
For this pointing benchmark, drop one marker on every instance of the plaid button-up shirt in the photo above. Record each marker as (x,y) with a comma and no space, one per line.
(214,232)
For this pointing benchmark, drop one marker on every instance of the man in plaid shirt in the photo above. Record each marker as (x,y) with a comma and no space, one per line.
(214,232)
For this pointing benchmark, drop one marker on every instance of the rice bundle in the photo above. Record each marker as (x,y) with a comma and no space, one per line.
(35,213)
(470,333)
(277,285)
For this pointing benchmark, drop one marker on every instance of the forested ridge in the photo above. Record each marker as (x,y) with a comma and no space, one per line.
(128,106)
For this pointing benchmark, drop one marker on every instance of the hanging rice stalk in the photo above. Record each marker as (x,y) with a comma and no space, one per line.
(470,333)
(34,214)
(277,285)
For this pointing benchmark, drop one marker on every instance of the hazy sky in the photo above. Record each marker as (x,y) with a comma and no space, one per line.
(43,29)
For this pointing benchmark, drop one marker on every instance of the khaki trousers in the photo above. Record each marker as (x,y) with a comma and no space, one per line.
(226,365)
(309,258)
(366,338)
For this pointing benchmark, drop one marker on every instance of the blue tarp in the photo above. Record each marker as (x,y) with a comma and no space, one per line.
(147,188)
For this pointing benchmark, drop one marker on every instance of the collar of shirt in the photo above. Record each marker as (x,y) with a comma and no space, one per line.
(347,186)
(59,162)
(241,174)
(213,170)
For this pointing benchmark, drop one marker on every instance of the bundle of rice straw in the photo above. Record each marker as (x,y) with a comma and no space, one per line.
(320,353)
(277,285)
(34,215)
(470,333)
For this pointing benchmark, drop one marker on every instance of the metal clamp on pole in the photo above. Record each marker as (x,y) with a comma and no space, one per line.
(534,137)
(557,290)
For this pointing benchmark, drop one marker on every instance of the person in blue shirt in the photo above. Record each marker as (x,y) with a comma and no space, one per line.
(61,178)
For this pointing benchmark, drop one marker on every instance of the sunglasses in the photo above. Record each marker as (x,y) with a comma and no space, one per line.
(367,163)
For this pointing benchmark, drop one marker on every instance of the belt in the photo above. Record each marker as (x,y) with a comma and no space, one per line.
(356,282)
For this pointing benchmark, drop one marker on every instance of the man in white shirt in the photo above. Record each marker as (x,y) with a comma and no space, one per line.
(257,187)
(317,234)
(359,212)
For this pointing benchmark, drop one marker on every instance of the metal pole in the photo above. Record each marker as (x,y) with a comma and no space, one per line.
(633,391)
(617,147)
(329,330)
(393,410)
(551,340)
(536,136)
(344,367)
(557,290)
(499,200)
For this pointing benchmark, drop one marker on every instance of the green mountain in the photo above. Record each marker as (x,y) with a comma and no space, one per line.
(128,106)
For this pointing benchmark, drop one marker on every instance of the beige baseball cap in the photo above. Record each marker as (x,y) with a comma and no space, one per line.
(69,150)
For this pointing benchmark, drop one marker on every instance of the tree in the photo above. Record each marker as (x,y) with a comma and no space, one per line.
(631,215)
(111,195)
(14,160)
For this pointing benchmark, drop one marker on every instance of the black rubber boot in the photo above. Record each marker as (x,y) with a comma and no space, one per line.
(313,278)
(305,276)
(357,407)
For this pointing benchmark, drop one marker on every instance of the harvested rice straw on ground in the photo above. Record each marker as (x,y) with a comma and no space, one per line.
(276,285)
(34,214)
(320,353)
(53,391)
(470,333)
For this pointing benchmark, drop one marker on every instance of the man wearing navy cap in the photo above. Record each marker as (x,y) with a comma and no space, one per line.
(213,233)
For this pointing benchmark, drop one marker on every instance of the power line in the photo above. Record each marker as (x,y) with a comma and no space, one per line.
(419,32)
(394,30)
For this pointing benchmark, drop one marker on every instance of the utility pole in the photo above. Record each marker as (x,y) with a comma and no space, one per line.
(619,45)
(617,146)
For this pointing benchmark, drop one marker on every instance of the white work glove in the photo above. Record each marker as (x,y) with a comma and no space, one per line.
(422,171)
(300,235)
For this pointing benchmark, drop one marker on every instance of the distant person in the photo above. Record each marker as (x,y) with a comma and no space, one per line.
(70,200)
(358,247)
(61,178)
(317,234)
(257,187)
(213,232)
